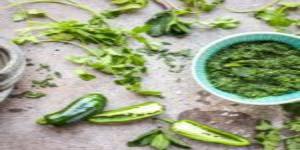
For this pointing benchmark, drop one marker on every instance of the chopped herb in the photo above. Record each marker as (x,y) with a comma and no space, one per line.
(44,67)
(84,75)
(44,83)
(293,108)
(293,143)
(29,94)
(222,23)
(168,23)
(256,69)
(34,95)
(125,6)
(57,74)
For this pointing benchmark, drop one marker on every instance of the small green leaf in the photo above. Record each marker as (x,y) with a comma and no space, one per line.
(292,143)
(84,75)
(34,95)
(160,142)
(144,139)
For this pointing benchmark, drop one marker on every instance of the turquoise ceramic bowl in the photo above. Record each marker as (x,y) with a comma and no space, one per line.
(205,53)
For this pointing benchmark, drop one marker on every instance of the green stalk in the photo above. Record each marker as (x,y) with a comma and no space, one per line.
(253,10)
(67,2)
(70,43)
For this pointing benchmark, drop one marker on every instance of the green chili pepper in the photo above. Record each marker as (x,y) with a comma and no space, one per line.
(201,132)
(80,109)
(129,113)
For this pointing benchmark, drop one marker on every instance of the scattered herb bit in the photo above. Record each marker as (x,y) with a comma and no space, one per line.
(44,83)
(158,139)
(28,94)
(293,108)
(256,69)
(44,67)
(58,74)
(278,17)
(203,5)
(125,6)
(168,23)
(84,75)
(293,143)
(267,135)
(34,95)
(27,14)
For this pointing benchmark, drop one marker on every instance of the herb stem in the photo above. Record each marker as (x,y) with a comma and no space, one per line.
(68,42)
(67,2)
(273,2)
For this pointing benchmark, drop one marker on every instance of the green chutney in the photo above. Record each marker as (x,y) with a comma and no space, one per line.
(256,69)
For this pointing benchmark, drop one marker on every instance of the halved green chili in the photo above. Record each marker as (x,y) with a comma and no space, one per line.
(80,109)
(129,113)
(200,132)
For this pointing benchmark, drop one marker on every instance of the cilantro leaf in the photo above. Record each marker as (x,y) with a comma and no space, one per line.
(267,135)
(124,7)
(293,125)
(84,75)
(224,23)
(33,95)
(168,23)
(278,17)
(203,5)
(27,14)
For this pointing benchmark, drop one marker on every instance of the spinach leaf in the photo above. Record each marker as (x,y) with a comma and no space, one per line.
(168,23)
(84,75)
(125,6)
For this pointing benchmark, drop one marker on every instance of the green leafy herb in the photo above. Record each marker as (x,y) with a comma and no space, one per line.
(44,67)
(84,75)
(44,83)
(293,143)
(168,23)
(125,6)
(293,125)
(34,95)
(203,5)
(27,14)
(267,135)
(279,16)
(256,69)
(158,139)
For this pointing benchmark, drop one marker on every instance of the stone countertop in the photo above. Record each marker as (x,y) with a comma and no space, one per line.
(183,97)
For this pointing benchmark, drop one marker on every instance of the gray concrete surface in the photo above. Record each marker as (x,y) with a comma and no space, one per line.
(18,130)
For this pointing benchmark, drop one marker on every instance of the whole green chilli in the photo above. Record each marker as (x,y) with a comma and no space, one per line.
(129,113)
(79,109)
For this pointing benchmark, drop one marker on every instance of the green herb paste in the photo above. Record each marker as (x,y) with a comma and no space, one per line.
(256,69)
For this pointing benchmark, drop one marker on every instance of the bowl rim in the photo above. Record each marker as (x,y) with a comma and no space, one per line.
(205,48)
